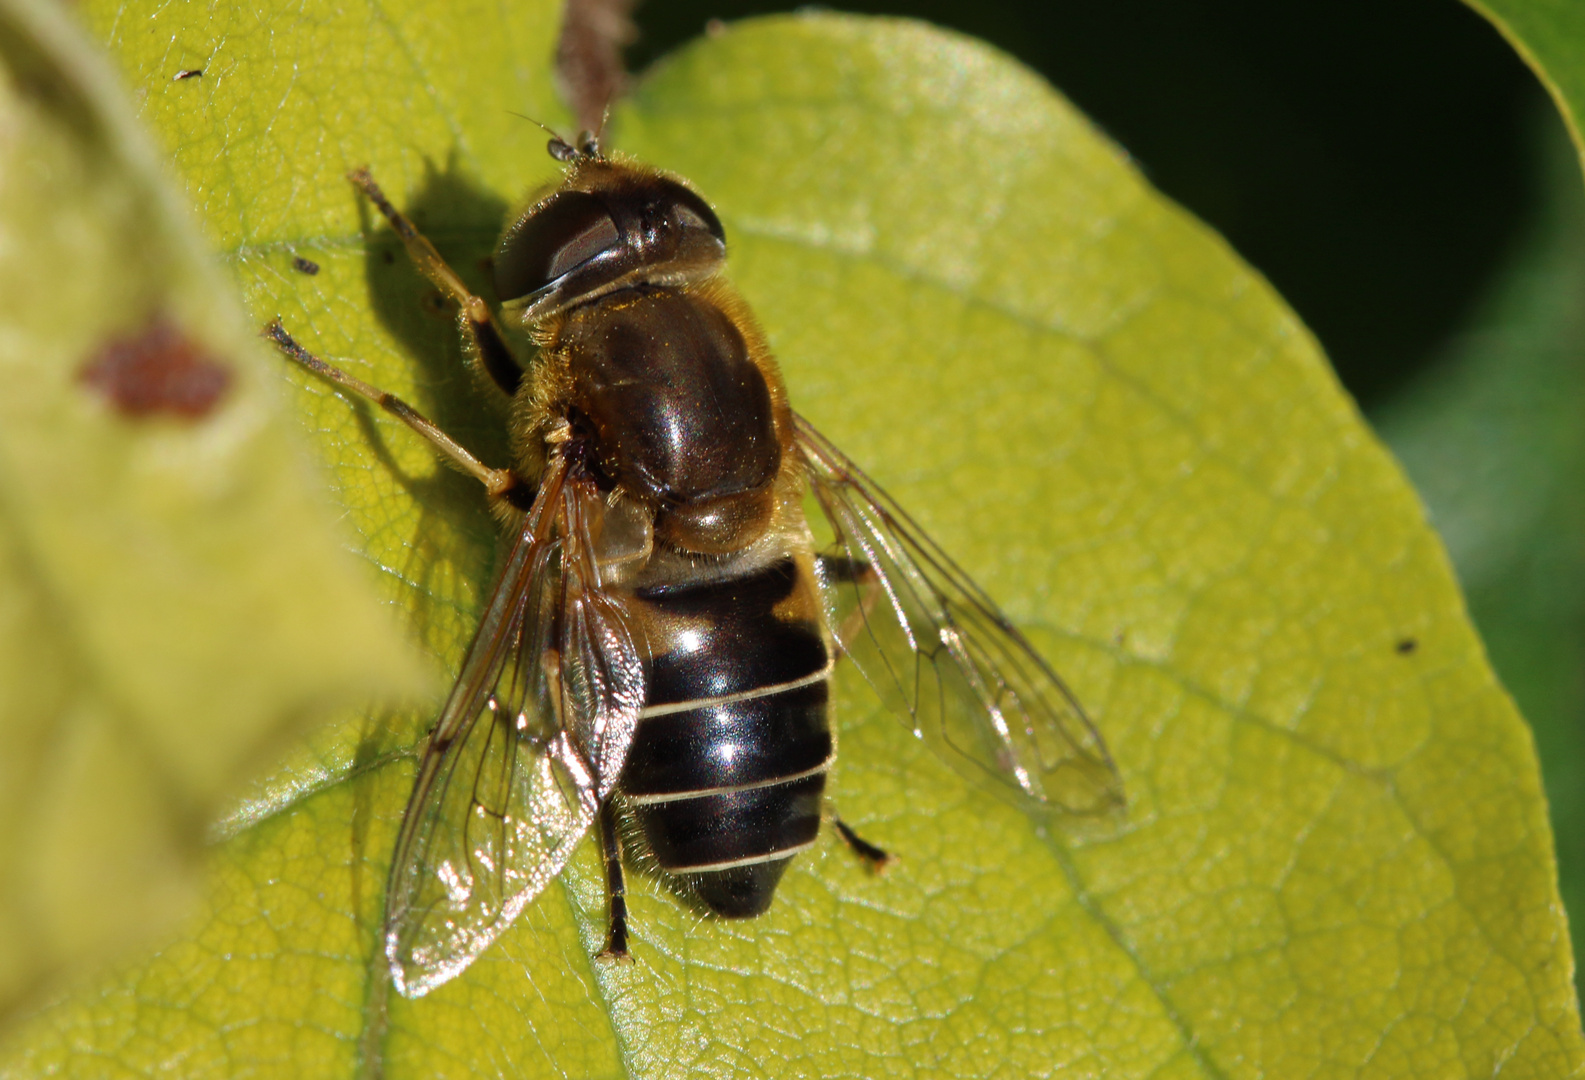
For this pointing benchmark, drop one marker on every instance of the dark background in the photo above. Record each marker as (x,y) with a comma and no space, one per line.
(1371,159)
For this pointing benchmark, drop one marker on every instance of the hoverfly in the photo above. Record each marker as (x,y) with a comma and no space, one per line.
(658,642)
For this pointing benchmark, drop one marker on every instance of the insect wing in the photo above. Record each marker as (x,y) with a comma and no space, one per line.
(942,656)
(530,742)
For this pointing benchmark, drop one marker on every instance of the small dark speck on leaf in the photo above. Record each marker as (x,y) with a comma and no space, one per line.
(305,266)
(435,303)
(390,257)
(158,371)
(1407,646)
(187,73)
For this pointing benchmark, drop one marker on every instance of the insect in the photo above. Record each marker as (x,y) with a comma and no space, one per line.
(659,639)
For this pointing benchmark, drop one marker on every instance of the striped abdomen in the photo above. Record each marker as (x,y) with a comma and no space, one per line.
(728,765)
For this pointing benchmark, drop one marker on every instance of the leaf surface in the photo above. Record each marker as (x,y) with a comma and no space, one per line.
(1335,859)
(168,569)
(1550,36)
(1516,522)
(1492,439)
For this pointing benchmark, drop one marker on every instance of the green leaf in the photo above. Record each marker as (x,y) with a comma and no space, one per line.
(1516,518)
(1493,441)
(168,571)
(1335,858)
(1550,36)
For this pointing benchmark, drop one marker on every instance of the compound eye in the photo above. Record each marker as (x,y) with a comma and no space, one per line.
(551,241)
(694,213)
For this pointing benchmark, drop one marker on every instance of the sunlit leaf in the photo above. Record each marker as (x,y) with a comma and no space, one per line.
(169,579)
(1550,35)
(1335,859)
(1492,439)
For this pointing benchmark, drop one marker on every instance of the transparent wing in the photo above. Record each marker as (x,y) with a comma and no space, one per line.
(941,654)
(530,742)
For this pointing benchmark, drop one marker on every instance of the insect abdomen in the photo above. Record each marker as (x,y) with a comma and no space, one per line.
(728,765)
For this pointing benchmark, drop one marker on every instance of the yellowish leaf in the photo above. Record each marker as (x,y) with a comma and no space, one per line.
(1335,860)
(169,577)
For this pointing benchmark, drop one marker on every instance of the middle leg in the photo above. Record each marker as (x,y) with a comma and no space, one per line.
(499,483)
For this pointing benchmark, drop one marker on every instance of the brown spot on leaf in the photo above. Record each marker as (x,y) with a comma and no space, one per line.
(304,266)
(159,371)
(1407,646)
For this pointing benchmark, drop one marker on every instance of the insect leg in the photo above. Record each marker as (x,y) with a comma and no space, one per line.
(615,884)
(498,482)
(861,578)
(476,317)
(844,568)
(876,857)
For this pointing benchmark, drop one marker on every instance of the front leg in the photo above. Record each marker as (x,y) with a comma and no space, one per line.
(477,321)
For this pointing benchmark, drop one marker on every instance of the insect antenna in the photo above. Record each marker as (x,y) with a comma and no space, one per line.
(589,141)
(558,147)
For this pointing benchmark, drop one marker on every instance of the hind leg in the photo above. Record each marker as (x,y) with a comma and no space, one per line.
(615,884)
(876,858)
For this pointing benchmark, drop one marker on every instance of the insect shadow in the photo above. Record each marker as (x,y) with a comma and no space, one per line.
(456,538)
